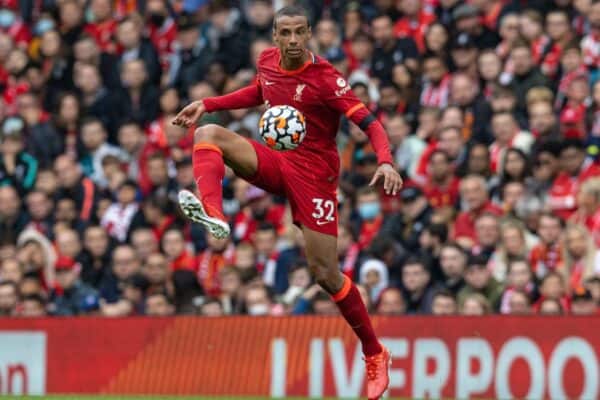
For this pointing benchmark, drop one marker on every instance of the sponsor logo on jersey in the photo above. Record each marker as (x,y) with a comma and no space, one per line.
(299,89)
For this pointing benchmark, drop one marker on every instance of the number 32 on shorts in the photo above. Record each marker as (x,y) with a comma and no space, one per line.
(324,211)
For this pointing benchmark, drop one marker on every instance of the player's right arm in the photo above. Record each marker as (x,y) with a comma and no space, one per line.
(249,96)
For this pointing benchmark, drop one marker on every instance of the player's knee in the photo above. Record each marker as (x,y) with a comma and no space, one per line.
(207,134)
(325,277)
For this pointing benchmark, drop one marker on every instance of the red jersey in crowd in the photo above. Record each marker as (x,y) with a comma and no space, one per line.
(244,225)
(19,32)
(103,32)
(464,225)
(565,187)
(442,196)
(163,37)
(368,231)
(590,47)
(591,222)
(209,263)
(414,28)
(544,259)
(184,261)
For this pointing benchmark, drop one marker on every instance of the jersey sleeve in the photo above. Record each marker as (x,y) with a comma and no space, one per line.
(339,96)
(246,97)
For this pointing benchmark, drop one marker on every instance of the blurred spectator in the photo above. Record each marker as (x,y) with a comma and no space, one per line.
(390,302)
(9,298)
(443,303)
(33,306)
(419,290)
(72,296)
(492,109)
(475,304)
(478,280)
(159,305)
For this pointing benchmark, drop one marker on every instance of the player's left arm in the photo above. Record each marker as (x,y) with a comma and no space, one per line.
(340,97)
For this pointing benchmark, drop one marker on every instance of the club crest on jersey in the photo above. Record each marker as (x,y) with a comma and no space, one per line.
(341,82)
(299,89)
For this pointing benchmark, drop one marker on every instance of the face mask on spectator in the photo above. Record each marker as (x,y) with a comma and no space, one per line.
(7,18)
(258,309)
(369,211)
(43,26)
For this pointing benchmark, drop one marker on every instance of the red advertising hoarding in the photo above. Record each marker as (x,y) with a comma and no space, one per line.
(492,357)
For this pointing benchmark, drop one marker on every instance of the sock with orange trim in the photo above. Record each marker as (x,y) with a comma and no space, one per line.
(209,169)
(355,313)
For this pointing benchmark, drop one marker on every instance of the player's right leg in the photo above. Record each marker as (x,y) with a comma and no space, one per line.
(215,146)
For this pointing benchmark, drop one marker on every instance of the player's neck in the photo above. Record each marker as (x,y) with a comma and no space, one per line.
(291,64)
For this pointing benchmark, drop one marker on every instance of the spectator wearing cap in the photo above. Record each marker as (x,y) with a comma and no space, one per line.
(71,296)
(478,279)
(464,53)
(192,55)
(417,286)
(582,303)
(17,167)
(390,50)
(338,59)
(104,26)
(575,169)
(415,214)
(474,193)
(467,19)
(414,22)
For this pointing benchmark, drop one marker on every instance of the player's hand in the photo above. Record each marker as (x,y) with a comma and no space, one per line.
(190,114)
(392,182)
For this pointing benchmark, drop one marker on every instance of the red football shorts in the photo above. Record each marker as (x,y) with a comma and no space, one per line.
(309,187)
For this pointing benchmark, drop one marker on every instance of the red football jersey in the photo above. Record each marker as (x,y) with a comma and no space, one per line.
(317,90)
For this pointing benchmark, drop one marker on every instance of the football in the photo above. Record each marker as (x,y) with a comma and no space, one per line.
(282,127)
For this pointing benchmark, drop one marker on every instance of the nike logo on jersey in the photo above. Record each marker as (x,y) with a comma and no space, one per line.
(267,83)
(323,222)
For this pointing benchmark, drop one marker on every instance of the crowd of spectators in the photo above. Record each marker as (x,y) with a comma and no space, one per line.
(492,108)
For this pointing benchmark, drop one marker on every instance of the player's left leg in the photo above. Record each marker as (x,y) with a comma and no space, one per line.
(321,254)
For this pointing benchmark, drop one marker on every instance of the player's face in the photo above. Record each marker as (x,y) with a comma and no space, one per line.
(291,34)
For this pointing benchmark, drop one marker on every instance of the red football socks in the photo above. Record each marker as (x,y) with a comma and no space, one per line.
(354,311)
(209,169)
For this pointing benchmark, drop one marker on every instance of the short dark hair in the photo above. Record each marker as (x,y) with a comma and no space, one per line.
(414,260)
(444,293)
(291,11)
